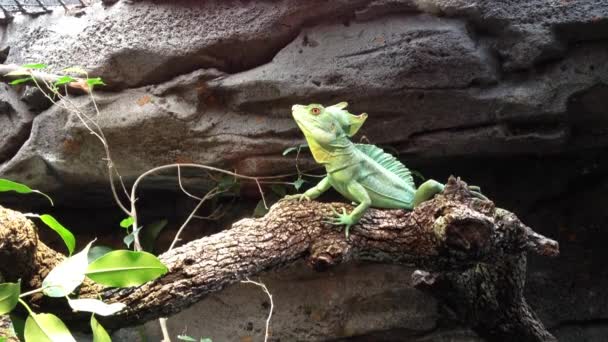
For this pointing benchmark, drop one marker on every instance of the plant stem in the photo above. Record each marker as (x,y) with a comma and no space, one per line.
(40,289)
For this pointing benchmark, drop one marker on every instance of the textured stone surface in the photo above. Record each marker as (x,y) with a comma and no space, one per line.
(139,42)
(510,94)
(432,81)
(15,123)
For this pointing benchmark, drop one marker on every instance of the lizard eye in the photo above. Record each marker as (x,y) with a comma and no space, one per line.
(315,111)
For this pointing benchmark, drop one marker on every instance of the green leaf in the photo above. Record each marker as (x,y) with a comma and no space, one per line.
(64,79)
(206,339)
(125,268)
(279,189)
(298,183)
(95,81)
(186,338)
(20,81)
(9,297)
(128,239)
(227,182)
(18,323)
(68,275)
(149,235)
(99,333)
(19,72)
(97,252)
(260,210)
(127,222)
(34,66)
(3,339)
(8,185)
(64,233)
(95,306)
(46,327)
(75,70)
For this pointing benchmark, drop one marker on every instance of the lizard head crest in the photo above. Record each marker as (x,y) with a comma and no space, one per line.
(333,118)
(323,126)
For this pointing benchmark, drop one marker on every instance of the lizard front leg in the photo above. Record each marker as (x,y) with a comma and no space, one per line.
(313,192)
(360,195)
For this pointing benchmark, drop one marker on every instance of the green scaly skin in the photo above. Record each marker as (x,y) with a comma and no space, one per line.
(350,171)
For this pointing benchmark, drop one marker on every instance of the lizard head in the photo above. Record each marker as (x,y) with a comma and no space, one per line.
(326,124)
(322,126)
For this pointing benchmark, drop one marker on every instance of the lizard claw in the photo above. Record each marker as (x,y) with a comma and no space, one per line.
(475,188)
(476,192)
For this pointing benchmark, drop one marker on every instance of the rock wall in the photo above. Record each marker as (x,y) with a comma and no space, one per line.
(511,95)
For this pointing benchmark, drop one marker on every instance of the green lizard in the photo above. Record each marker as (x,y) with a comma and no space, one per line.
(362,173)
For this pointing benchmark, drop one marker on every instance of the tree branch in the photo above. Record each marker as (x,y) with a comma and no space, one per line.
(78,86)
(454,235)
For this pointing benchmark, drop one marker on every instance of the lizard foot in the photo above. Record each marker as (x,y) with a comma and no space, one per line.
(341,219)
(298,197)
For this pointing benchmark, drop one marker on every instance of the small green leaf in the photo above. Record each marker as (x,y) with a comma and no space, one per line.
(18,323)
(260,209)
(64,233)
(298,183)
(128,239)
(3,339)
(95,306)
(127,222)
(99,333)
(46,328)
(34,66)
(68,275)
(75,70)
(8,185)
(19,72)
(279,189)
(125,268)
(150,234)
(206,339)
(97,252)
(227,182)
(9,297)
(95,81)
(186,338)
(20,81)
(64,79)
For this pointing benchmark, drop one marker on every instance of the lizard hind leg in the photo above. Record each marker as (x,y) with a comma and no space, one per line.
(430,188)
(427,190)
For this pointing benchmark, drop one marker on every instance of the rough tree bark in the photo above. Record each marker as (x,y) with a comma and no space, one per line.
(472,253)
